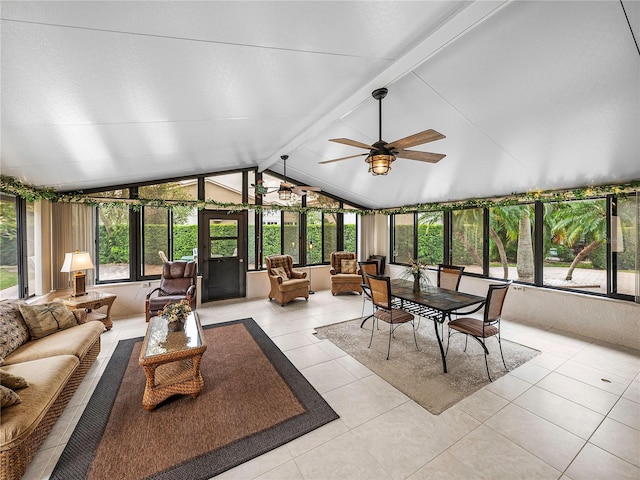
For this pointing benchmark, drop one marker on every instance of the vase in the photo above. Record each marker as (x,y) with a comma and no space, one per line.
(175,326)
(416,284)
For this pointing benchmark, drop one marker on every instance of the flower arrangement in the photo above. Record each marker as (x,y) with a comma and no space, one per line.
(417,272)
(175,312)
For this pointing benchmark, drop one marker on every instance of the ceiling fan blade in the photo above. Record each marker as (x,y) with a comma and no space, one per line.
(344,158)
(415,139)
(420,156)
(353,143)
(303,190)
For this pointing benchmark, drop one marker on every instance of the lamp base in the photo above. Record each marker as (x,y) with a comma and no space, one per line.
(79,284)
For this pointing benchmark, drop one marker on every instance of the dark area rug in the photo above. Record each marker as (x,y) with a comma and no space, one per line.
(418,374)
(253,401)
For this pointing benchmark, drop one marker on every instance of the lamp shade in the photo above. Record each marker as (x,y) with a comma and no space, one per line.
(380,163)
(76,261)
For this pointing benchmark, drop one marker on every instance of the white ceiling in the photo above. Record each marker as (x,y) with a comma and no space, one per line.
(530,94)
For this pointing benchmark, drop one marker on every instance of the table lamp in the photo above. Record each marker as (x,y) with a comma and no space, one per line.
(77,262)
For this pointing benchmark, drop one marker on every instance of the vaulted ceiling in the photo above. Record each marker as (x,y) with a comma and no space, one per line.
(530,95)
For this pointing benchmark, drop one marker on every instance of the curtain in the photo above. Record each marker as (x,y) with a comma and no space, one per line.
(73,228)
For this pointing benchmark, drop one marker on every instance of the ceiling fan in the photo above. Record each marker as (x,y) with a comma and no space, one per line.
(285,189)
(382,154)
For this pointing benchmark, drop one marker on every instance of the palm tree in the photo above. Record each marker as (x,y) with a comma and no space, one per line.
(514,224)
(579,222)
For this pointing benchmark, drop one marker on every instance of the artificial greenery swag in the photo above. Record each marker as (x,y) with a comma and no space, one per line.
(12,186)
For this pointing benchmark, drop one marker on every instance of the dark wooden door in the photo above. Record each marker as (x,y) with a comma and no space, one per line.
(223,257)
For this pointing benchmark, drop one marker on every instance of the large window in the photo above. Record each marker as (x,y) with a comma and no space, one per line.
(559,244)
(430,238)
(113,239)
(624,246)
(467,239)
(8,248)
(511,243)
(403,238)
(575,239)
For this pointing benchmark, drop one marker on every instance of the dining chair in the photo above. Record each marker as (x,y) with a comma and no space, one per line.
(488,326)
(383,310)
(370,267)
(449,276)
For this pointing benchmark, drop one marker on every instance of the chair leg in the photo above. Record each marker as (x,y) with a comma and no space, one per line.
(486,363)
(500,344)
(390,335)
(414,337)
(373,327)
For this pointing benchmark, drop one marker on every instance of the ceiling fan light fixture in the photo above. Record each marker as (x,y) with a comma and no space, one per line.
(380,163)
(284,194)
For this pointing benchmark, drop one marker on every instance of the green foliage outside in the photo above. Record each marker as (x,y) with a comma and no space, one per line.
(8,277)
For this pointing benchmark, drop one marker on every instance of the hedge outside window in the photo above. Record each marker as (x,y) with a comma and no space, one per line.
(113,239)
(430,238)
(403,238)
(467,241)
(624,246)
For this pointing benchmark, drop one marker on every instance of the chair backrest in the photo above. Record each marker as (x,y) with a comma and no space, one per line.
(449,276)
(381,259)
(368,267)
(495,301)
(337,257)
(177,277)
(380,290)
(284,261)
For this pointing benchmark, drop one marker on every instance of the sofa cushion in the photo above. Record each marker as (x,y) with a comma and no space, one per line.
(47,318)
(72,341)
(9,380)
(47,378)
(13,330)
(8,398)
(348,266)
(280,272)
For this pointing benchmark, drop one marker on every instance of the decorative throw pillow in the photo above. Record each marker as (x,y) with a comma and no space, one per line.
(348,266)
(13,330)
(47,318)
(280,272)
(14,382)
(8,397)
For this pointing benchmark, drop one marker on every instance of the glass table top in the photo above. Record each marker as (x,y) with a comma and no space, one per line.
(161,340)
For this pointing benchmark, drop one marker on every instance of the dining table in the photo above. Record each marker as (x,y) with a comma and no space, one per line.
(434,303)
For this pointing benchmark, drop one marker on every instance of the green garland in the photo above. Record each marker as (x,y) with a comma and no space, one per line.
(14,187)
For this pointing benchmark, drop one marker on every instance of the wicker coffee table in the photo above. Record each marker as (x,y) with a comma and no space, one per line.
(171,360)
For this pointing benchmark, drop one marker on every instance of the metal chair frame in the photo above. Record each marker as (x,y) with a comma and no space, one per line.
(385,311)
(491,317)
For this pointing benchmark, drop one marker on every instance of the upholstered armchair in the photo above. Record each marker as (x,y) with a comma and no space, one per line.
(345,274)
(286,283)
(177,283)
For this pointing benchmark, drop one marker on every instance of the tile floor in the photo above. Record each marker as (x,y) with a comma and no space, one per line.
(573,412)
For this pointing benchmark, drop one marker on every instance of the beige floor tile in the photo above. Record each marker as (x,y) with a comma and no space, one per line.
(316,437)
(357,403)
(607,381)
(328,376)
(508,387)
(354,366)
(288,471)
(633,392)
(586,395)
(444,467)
(482,404)
(400,441)
(547,441)
(307,356)
(568,415)
(293,340)
(547,360)
(345,457)
(618,439)
(627,412)
(594,463)
(531,372)
(492,456)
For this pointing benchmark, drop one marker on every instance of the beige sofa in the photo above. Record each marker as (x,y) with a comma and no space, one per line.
(54,367)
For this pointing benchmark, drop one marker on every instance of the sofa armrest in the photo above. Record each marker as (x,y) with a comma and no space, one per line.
(80,314)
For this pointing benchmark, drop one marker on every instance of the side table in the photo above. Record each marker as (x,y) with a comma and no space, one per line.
(92,301)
